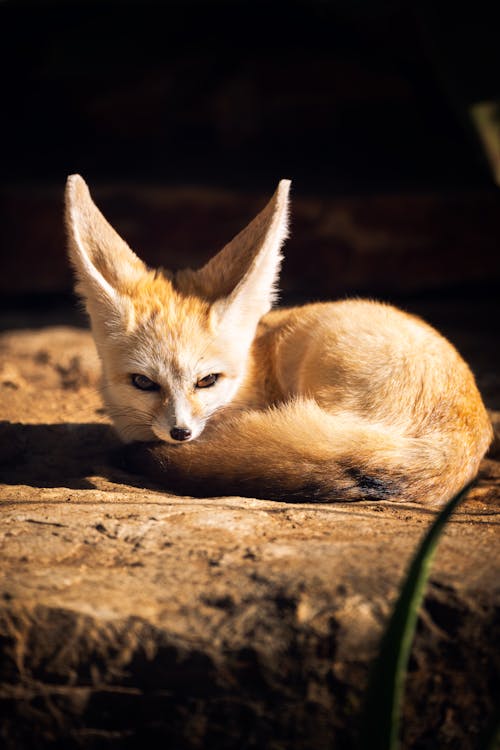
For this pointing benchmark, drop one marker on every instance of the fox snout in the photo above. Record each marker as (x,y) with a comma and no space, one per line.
(176,423)
(180,433)
(175,434)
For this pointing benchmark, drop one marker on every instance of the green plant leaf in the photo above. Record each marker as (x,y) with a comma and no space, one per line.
(490,739)
(381,717)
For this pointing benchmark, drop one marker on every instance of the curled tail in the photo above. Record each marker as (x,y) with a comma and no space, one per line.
(298,452)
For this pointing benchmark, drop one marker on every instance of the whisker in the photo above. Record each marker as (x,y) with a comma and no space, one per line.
(116,411)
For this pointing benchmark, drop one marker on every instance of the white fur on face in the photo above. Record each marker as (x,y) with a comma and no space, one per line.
(175,366)
(173,328)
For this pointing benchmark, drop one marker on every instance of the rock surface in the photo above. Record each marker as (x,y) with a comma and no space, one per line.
(132,617)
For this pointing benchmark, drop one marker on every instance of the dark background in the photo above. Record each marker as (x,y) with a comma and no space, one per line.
(183,116)
(343,96)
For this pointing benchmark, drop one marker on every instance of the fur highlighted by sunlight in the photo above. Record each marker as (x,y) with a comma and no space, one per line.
(218,394)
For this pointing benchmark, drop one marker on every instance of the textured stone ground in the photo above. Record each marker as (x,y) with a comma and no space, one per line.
(132,617)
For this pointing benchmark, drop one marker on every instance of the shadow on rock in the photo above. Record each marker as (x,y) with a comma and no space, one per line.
(55,455)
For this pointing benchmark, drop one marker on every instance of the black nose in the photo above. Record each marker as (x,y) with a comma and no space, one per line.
(180,433)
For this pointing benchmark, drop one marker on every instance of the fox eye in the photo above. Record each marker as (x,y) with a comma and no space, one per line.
(143,383)
(207,381)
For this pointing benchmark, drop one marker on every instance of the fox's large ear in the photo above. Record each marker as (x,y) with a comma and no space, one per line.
(105,266)
(241,279)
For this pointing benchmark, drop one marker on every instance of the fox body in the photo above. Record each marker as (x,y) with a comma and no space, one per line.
(216,393)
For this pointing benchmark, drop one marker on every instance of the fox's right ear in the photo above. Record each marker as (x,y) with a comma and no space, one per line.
(105,266)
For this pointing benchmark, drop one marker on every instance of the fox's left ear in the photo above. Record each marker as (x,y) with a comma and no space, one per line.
(241,279)
(106,268)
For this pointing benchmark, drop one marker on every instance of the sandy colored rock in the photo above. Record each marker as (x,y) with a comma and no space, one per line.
(133,617)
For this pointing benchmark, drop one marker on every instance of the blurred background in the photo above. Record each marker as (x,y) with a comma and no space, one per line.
(183,116)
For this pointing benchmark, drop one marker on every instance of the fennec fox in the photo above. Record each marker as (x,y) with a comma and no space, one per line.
(218,395)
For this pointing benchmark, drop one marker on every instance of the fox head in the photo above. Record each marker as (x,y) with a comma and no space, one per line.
(174,347)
